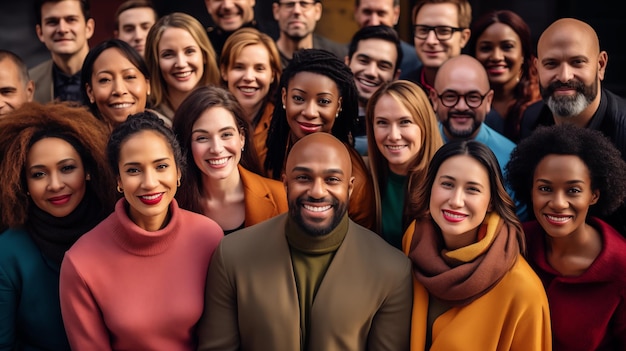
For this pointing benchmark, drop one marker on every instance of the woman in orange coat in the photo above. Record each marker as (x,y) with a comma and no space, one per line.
(222,165)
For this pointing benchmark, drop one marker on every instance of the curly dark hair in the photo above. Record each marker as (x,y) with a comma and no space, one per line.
(136,123)
(320,62)
(32,122)
(606,168)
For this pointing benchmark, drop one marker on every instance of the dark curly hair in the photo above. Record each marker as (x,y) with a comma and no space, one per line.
(606,168)
(320,62)
(137,123)
(32,122)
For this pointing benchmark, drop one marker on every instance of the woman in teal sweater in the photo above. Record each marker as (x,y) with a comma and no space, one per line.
(57,186)
(402,137)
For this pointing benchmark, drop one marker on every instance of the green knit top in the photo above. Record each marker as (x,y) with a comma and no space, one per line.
(310,257)
(392,209)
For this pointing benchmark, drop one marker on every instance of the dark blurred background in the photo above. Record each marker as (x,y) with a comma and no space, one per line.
(17,27)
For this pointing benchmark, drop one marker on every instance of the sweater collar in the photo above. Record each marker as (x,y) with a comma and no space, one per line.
(302,241)
(140,242)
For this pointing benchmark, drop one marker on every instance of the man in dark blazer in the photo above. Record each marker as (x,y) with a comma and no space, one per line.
(65,28)
(310,279)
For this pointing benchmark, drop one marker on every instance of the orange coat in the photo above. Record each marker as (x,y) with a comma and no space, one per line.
(259,135)
(264,198)
(361,207)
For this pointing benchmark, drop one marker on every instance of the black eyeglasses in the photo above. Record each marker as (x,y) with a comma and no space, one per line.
(451,98)
(441,32)
(290,5)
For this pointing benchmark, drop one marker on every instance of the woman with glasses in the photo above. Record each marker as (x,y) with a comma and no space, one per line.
(440,32)
(501,42)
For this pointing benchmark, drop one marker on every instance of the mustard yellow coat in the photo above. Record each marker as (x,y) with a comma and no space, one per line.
(512,316)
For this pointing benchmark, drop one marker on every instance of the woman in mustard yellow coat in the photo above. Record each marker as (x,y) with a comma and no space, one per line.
(473,289)
(223,178)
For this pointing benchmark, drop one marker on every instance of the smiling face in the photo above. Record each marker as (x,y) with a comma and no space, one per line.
(249,78)
(499,49)
(562,194)
(318,180)
(570,67)
(460,198)
(55,176)
(117,86)
(149,177)
(134,25)
(398,137)
(180,60)
(312,103)
(216,144)
(230,15)
(63,28)
(461,75)
(373,63)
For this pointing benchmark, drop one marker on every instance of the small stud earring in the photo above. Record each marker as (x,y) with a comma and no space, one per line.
(284,108)
(88,177)
(242,149)
(120,190)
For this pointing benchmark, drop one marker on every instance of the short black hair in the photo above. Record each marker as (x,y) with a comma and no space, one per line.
(376,32)
(87,70)
(84,6)
(607,169)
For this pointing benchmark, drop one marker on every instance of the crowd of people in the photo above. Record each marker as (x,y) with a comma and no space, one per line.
(177,187)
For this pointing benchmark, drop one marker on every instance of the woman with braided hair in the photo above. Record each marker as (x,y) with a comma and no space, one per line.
(317,94)
(57,186)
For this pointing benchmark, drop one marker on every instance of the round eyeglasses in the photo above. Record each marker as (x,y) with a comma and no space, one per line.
(472,99)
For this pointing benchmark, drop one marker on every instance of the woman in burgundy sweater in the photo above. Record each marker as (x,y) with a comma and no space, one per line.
(572,177)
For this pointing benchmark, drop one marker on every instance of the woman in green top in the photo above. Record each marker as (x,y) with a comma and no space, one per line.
(402,137)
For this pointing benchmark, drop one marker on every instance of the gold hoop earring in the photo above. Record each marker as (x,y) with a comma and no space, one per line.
(120,190)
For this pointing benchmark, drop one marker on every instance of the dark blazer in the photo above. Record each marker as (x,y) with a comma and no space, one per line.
(363,303)
(44,86)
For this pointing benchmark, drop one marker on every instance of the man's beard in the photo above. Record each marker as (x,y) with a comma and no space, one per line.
(458,133)
(296,214)
(569,106)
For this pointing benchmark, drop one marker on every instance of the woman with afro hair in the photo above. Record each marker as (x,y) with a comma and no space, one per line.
(572,177)
(56,187)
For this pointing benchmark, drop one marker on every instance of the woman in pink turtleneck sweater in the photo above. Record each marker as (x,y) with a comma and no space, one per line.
(137,280)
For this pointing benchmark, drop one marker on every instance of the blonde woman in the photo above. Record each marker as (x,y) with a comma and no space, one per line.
(180,58)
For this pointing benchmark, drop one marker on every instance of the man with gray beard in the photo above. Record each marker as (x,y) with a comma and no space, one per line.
(571,67)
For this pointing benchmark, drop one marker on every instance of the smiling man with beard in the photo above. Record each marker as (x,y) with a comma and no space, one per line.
(310,279)
(461,98)
(374,57)
(571,67)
